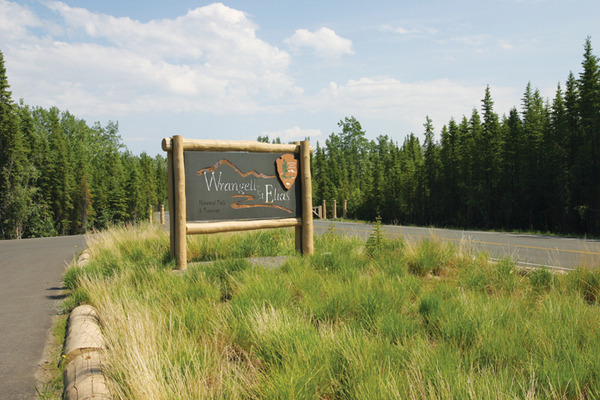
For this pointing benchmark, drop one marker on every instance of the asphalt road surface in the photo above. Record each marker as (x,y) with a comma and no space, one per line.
(528,250)
(30,291)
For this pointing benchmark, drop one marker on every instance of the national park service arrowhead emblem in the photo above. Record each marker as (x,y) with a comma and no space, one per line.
(287,168)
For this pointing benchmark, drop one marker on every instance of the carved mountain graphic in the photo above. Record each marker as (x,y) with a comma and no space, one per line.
(239,204)
(236,169)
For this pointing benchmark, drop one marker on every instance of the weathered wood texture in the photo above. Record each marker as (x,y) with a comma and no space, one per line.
(83,258)
(334,209)
(307,219)
(83,377)
(179,191)
(162,214)
(83,333)
(233,226)
(227,145)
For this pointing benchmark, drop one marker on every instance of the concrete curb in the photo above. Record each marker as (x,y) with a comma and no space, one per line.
(83,351)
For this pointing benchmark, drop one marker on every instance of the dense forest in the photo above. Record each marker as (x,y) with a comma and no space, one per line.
(59,176)
(537,168)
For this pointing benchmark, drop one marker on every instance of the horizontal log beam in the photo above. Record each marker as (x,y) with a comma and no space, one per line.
(232,145)
(195,228)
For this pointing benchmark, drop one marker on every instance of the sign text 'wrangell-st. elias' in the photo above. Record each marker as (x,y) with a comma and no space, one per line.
(236,186)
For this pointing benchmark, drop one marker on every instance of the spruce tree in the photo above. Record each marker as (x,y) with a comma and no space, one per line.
(488,160)
(534,124)
(555,165)
(512,186)
(15,195)
(430,173)
(589,114)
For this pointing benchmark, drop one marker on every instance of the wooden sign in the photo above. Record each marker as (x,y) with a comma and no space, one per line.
(224,186)
(240,186)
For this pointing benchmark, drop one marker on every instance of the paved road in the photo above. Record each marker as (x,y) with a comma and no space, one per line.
(528,250)
(30,289)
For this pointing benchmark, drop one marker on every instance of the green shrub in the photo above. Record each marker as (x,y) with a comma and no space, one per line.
(377,241)
(430,306)
(429,257)
(541,279)
(71,278)
(587,283)
(344,323)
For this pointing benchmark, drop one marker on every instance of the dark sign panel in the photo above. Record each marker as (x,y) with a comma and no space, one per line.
(237,186)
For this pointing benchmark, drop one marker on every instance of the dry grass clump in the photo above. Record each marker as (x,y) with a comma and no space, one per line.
(367,320)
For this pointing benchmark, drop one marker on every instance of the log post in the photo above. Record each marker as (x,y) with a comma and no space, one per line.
(324,210)
(345,208)
(151,212)
(179,186)
(162,214)
(307,219)
(334,208)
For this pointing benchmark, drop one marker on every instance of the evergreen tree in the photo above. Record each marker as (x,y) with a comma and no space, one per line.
(488,159)
(589,114)
(15,194)
(512,189)
(430,174)
(476,214)
(162,195)
(59,176)
(450,164)
(148,184)
(116,210)
(534,124)
(137,205)
(556,167)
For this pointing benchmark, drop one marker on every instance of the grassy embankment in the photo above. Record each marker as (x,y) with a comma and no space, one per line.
(382,319)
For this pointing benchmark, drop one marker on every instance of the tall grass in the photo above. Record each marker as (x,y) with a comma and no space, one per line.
(355,320)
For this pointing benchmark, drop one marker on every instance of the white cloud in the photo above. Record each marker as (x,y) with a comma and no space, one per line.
(391,99)
(409,32)
(207,60)
(292,134)
(504,44)
(15,20)
(471,40)
(324,42)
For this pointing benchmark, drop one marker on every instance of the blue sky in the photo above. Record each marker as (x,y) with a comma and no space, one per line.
(240,69)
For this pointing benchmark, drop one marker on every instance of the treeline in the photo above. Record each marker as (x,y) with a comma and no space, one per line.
(59,176)
(537,168)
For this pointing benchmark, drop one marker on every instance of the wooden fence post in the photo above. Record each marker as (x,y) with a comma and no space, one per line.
(324,210)
(151,212)
(162,214)
(334,209)
(307,219)
(345,207)
(180,217)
